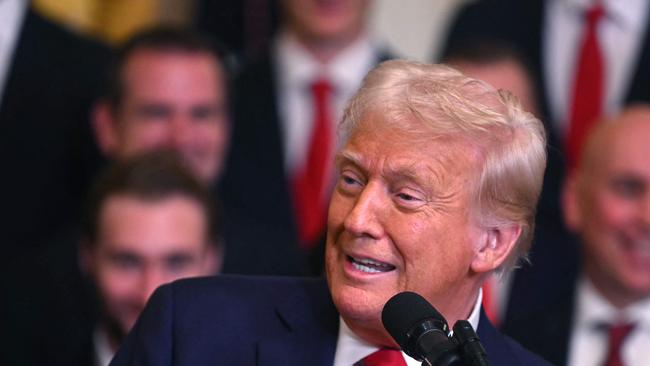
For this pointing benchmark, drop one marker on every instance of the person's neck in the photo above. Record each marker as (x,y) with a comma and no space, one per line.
(325,50)
(615,294)
(113,335)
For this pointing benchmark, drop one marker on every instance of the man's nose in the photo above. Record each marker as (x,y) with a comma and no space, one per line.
(180,133)
(365,217)
(151,280)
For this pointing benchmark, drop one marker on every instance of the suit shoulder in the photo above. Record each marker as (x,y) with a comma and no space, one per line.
(239,287)
(524,356)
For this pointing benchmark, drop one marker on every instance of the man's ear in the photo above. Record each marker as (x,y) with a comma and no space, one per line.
(571,203)
(494,247)
(105,128)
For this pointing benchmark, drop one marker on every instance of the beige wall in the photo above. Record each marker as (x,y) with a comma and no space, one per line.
(413,28)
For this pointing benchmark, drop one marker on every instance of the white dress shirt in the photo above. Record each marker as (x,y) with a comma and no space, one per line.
(620,34)
(351,349)
(103,351)
(296,70)
(588,341)
(12,13)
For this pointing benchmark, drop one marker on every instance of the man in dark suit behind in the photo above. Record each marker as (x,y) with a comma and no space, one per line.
(550,34)
(438,178)
(275,133)
(46,148)
(606,204)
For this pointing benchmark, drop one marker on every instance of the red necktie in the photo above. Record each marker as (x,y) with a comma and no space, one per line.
(587,98)
(311,183)
(383,357)
(617,334)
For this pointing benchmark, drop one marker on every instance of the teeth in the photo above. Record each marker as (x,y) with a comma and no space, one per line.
(371,262)
(363,268)
(370,266)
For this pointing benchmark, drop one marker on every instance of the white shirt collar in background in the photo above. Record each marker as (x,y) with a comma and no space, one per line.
(296,70)
(588,342)
(12,13)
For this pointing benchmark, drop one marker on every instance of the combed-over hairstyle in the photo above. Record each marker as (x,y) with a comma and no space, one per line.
(436,100)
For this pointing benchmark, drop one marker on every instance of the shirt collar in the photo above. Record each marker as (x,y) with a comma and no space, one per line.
(625,14)
(103,351)
(350,348)
(299,68)
(593,310)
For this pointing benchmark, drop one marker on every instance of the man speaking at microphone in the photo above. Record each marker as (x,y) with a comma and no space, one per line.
(438,180)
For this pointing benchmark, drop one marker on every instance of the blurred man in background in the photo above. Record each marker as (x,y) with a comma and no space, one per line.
(167,89)
(49,78)
(287,105)
(602,316)
(149,222)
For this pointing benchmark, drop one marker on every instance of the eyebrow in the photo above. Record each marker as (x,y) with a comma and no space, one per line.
(403,173)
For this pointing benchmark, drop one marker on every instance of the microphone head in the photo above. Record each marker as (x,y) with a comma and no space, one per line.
(405,311)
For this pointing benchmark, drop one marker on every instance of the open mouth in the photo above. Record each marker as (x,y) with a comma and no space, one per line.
(369,265)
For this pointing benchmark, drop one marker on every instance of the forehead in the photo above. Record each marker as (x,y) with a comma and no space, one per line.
(624,148)
(161,71)
(150,227)
(374,144)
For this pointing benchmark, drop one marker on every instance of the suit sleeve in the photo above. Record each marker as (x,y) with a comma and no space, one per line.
(150,341)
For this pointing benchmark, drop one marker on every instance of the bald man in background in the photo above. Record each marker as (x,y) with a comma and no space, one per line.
(602,317)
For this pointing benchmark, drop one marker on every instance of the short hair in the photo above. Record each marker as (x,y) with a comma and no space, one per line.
(151,177)
(163,39)
(486,51)
(436,100)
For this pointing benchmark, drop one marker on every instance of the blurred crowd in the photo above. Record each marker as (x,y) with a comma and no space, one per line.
(208,147)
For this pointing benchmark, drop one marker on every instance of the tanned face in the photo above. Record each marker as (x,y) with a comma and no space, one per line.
(400,220)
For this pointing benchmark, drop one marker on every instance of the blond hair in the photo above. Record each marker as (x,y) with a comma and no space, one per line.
(436,100)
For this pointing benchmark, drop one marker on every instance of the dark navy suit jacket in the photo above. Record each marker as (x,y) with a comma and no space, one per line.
(230,320)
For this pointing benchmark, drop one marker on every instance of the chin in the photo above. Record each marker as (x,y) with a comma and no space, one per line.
(357,304)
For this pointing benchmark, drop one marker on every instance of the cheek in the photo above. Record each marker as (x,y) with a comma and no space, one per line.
(143,137)
(611,213)
(115,285)
(212,137)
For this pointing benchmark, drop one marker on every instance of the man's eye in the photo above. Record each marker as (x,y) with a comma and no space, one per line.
(178,263)
(628,188)
(406,197)
(125,262)
(349,183)
(150,112)
(206,113)
(409,199)
(348,180)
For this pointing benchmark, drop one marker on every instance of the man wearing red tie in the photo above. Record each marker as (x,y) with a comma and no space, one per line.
(287,106)
(605,319)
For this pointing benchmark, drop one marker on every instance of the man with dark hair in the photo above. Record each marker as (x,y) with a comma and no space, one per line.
(149,222)
(167,88)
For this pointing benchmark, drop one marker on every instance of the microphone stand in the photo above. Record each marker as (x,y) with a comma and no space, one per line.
(464,348)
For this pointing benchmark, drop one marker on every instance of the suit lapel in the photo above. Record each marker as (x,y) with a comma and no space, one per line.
(498,351)
(638,89)
(312,331)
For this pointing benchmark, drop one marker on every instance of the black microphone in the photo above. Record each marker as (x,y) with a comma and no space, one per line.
(419,329)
